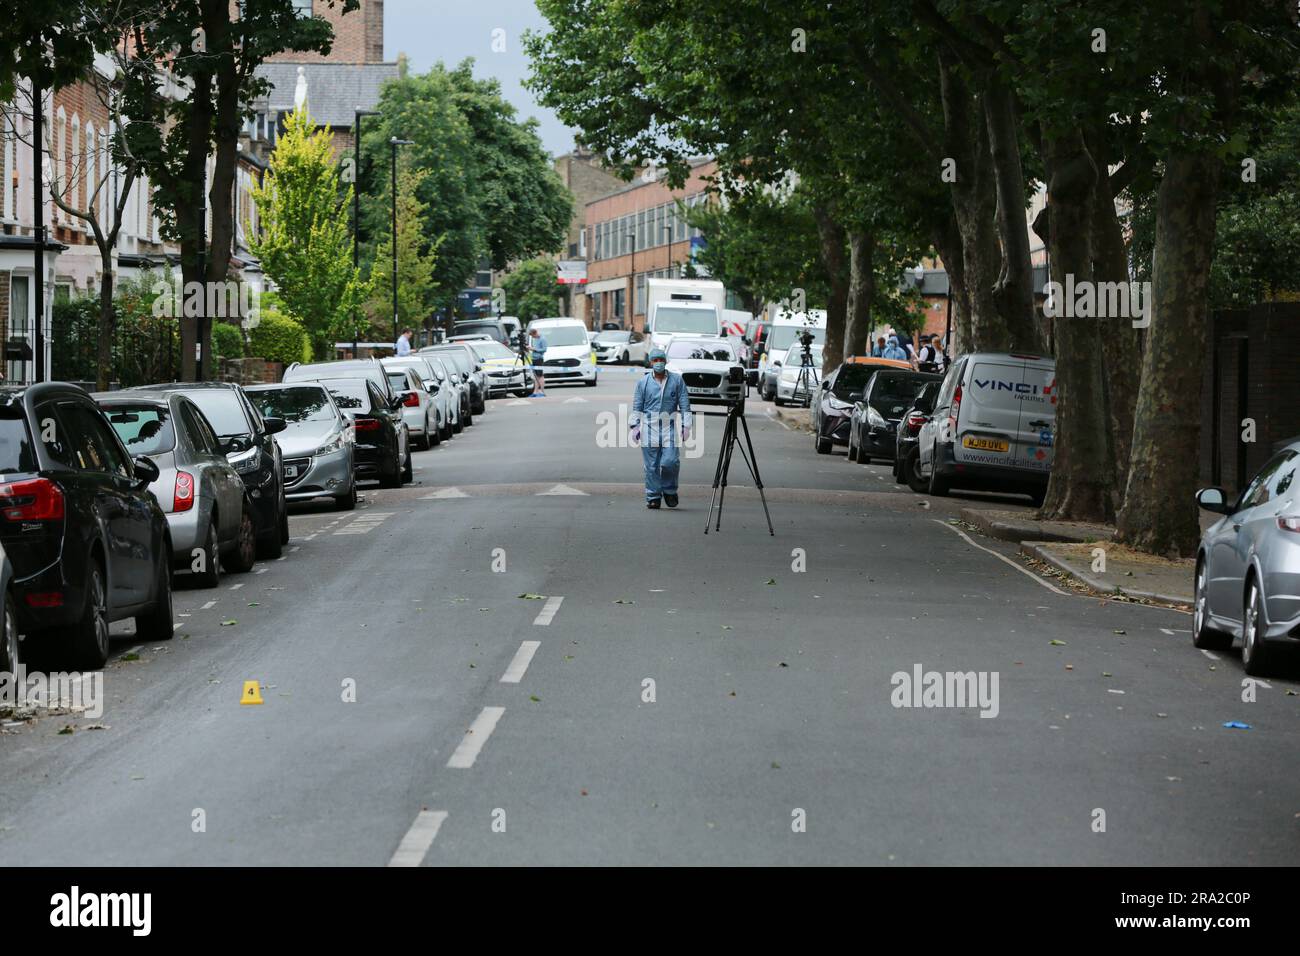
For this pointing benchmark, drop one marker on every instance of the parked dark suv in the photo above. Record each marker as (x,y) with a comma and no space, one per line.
(247,440)
(88,543)
(382,448)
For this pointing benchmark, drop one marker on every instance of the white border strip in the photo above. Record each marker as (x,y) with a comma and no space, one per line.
(418,839)
(519,664)
(468,749)
(1002,557)
(548,612)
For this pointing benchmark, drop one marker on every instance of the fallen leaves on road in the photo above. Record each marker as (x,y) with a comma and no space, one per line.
(1056,643)
(624,601)
(230,623)
(528,596)
(129,656)
(771,580)
(534,698)
(67,729)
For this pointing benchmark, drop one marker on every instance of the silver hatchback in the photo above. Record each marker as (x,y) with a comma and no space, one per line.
(1248,566)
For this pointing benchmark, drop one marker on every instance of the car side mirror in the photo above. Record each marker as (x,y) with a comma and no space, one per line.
(395,404)
(146,471)
(432,386)
(275,425)
(853,396)
(1213,499)
(825,385)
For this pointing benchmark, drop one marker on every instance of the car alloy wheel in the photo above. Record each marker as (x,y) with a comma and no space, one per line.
(245,554)
(1254,654)
(1203,634)
(87,639)
(210,576)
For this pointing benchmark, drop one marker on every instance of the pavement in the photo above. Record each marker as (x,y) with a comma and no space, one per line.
(513,662)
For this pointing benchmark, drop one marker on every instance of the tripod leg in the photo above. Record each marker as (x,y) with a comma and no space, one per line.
(728,443)
(717,479)
(752,460)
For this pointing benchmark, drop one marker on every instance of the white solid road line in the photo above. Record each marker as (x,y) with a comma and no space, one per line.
(519,664)
(467,750)
(548,612)
(1001,557)
(418,839)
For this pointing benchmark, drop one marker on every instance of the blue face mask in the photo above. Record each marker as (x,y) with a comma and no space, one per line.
(659,365)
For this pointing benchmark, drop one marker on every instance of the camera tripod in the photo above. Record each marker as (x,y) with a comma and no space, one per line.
(730,441)
(522,361)
(803,389)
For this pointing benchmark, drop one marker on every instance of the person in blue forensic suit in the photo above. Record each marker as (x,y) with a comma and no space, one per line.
(660,424)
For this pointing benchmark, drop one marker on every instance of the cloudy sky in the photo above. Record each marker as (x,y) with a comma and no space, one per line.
(450,30)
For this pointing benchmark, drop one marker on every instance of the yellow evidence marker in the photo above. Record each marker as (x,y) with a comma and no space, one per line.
(252,693)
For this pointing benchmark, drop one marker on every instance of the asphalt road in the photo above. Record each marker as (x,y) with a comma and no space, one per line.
(670,697)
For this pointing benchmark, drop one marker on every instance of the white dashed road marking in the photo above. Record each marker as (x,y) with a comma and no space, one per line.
(1210,654)
(418,839)
(236,587)
(208,605)
(468,749)
(364,524)
(548,612)
(445,493)
(519,664)
(562,490)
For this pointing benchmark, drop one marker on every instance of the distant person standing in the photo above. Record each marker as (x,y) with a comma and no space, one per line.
(403,346)
(878,350)
(928,358)
(660,406)
(894,351)
(539,357)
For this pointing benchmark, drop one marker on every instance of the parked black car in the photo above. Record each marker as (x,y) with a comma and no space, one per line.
(906,452)
(382,449)
(873,427)
(88,543)
(247,439)
(833,408)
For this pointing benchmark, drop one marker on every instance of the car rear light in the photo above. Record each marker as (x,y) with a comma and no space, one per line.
(1289,523)
(915,421)
(367,424)
(45,599)
(954,410)
(37,499)
(412,400)
(183,497)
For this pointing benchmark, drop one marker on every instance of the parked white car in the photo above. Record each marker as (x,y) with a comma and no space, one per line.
(706,365)
(621,345)
(569,357)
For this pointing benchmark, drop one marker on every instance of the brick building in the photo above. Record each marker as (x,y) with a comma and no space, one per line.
(636,233)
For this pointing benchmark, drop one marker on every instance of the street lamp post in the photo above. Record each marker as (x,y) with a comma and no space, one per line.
(393,143)
(631,311)
(356,206)
(38,223)
(669,230)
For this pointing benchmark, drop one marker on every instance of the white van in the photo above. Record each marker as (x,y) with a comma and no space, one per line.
(569,357)
(683,307)
(782,333)
(993,426)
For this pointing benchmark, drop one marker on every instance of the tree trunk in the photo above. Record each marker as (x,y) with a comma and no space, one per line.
(974,208)
(107,320)
(1082,480)
(1159,513)
(1013,290)
(190,218)
(861,290)
(1121,346)
(947,241)
(831,234)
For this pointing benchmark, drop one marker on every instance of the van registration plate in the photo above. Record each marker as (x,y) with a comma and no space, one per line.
(984,444)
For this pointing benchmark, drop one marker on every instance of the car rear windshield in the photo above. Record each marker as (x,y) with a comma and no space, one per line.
(320,371)
(491,350)
(614,337)
(223,411)
(17,455)
(563,334)
(305,403)
(783,336)
(852,378)
(144,429)
(479,328)
(456,357)
(398,381)
(350,394)
(893,390)
(700,321)
(701,351)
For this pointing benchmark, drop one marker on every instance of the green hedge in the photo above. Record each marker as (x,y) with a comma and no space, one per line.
(278,338)
(227,340)
(146,349)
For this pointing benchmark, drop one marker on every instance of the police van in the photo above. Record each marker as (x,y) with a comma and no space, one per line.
(993,426)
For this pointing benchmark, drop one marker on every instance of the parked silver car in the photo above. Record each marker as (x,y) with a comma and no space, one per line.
(418,404)
(203,497)
(318,441)
(1248,566)
(455,387)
